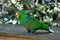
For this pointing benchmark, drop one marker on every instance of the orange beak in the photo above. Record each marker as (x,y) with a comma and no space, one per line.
(17,15)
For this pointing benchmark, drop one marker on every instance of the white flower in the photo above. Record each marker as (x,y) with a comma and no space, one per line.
(50,11)
(20,7)
(5,19)
(14,22)
(55,8)
(31,13)
(35,15)
(13,1)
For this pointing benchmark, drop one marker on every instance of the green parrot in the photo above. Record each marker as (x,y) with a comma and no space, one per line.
(31,24)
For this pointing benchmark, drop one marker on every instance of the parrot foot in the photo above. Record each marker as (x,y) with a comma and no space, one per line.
(29,31)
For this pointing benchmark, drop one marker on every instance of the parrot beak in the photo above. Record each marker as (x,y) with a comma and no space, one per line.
(17,15)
